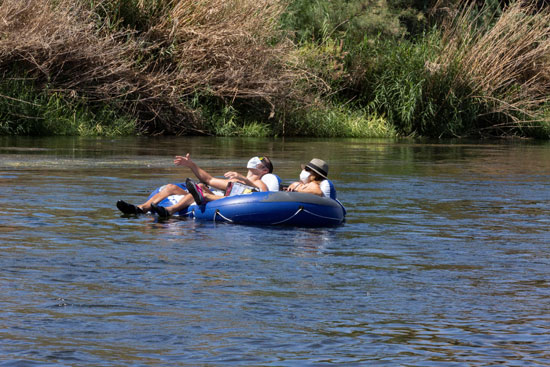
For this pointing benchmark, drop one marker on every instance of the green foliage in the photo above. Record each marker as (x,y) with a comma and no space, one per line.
(359,68)
(410,81)
(333,120)
(352,20)
(337,120)
(24,110)
(226,121)
(325,61)
(415,95)
(539,128)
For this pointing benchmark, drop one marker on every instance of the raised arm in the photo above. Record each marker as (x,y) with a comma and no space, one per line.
(201,174)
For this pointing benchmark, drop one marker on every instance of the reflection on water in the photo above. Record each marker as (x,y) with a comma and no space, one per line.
(444,258)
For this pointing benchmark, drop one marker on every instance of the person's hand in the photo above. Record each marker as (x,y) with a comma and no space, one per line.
(293,186)
(235,175)
(183,161)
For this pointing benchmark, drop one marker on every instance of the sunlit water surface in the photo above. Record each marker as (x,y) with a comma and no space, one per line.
(444,258)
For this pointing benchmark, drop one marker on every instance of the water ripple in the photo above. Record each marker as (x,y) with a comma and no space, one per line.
(443,260)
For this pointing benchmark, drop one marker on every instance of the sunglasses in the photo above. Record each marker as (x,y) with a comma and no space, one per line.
(264,164)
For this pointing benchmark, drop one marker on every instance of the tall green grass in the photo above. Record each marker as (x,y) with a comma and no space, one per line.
(418,99)
(481,73)
(228,121)
(25,110)
(335,120)
(503,58)
(318,120)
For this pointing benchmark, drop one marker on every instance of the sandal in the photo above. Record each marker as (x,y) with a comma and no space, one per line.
(195,190)
(160,210)
(128,208)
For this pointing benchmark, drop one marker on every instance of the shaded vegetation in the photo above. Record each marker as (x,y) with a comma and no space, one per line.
(26,110)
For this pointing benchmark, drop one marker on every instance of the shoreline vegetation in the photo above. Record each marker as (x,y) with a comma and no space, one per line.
(383,68)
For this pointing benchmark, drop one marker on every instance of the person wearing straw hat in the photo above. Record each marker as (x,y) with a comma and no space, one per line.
(313,173)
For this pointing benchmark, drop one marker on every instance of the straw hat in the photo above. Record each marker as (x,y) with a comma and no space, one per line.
(318,166)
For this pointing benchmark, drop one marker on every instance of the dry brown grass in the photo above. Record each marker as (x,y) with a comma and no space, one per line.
(222,46)
(61,49)
(506,63)
(214,47)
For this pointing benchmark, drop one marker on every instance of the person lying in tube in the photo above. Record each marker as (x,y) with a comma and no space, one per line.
(311,177)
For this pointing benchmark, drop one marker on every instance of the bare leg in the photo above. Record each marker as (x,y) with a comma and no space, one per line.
(183,203)
(208,194)
(168,190)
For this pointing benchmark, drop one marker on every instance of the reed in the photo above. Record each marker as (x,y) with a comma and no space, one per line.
(480,73)
(503,61)
(59,46)
(229,49)
(414,95)
(148,59)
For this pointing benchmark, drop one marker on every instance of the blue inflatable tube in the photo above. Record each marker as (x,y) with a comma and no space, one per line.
(268,208)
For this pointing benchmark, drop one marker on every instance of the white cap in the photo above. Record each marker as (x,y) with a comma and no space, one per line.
(253,162)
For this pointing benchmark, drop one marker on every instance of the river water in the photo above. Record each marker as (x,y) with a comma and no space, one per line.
(444,259)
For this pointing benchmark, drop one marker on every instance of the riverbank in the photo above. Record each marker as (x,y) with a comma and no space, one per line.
(274,68)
